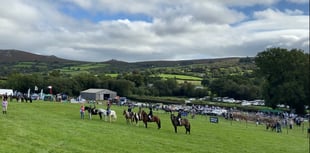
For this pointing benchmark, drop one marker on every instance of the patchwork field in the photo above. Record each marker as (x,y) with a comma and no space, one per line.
(57,127)
(83,68)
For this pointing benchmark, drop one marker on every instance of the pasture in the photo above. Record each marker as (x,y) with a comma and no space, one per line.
(82,68)
(180,77)
(56,127)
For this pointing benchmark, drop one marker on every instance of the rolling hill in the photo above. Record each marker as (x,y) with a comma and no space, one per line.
(9,56)
(25,62)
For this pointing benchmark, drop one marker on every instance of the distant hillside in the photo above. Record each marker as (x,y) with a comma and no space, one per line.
(184,62)
(8,56)
(25,62)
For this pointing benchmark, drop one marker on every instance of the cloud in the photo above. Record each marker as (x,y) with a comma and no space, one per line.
(176,29)
(298,1)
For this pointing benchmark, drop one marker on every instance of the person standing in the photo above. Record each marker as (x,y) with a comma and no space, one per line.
(82,111)
(4,105)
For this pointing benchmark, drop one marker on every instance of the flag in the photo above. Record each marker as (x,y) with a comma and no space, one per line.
(41,94)
(28,95)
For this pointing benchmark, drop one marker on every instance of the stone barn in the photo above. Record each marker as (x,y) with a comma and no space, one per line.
(98,94)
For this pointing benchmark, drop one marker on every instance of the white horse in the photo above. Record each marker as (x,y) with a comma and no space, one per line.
(112,116)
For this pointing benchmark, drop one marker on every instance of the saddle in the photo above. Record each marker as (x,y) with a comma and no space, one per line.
(179,121)
(94,111)
(150,118)
(108,112)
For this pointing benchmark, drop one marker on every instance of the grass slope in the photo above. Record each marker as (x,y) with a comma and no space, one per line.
(56,127)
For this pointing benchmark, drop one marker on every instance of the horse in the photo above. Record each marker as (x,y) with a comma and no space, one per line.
(130,117)
(137,117)
(184,122)
(93,111)
(112,115)
(101,112)
(145,119)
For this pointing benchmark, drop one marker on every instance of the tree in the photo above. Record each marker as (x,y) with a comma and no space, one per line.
(164,87)
(238,87)
(287,77)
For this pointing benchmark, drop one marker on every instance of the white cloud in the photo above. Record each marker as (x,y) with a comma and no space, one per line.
(248,2)
(177,30)
(294,12)
(298,1)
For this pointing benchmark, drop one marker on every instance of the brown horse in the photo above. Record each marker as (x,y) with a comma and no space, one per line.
(184,122)
(145,119)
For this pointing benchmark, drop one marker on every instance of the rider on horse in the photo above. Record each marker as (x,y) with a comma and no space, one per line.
(129,110)
(179,117)
(108,108)
(139,113)
(93,110)
(150,114)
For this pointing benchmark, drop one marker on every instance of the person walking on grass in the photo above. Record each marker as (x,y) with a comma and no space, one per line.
(4,105)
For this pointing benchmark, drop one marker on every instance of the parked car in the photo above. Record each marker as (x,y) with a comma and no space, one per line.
(35,96)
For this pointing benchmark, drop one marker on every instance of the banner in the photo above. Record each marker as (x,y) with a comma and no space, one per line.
(214,119)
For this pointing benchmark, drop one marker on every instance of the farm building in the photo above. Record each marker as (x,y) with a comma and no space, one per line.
(98,94)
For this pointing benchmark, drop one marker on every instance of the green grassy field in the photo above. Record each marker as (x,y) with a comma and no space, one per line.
(180,77)
(56,127)
(83,68)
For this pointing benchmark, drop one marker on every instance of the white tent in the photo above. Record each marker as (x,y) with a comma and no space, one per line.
(6,91)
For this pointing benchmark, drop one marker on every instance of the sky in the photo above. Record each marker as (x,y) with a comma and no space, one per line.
(151,30)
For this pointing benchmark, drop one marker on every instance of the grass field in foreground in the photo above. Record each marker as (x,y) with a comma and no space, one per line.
(56,127)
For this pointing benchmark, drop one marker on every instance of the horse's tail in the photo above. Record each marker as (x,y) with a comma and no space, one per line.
(159,124)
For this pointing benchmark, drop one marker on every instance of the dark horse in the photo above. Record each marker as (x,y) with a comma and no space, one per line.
(93,111)
(145,119)
(184,122)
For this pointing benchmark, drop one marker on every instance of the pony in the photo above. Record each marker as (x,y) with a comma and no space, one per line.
(111,115)
(101,112)
(184,122)
(93,111)
(137,117)
(145,119)
(130,117)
